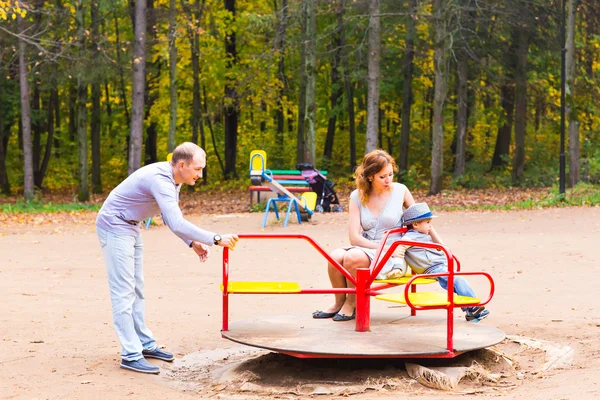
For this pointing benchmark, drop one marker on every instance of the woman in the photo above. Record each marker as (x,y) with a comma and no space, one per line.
(375,207)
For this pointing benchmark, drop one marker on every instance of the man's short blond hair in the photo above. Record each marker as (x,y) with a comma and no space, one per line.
(186,152)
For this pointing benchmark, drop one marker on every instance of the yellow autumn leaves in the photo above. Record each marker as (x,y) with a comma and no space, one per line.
(10,9)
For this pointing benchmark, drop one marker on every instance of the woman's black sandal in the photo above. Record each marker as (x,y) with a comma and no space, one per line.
(344,317)
(323,314)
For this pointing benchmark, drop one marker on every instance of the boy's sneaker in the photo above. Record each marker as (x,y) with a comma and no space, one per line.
(476,314)
(140,365)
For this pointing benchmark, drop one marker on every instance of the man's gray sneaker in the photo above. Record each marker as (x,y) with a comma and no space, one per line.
(158,354)
(140,365)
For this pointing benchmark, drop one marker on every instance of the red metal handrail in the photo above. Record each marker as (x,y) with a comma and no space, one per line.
(304,237)
(365,278)
(333,262)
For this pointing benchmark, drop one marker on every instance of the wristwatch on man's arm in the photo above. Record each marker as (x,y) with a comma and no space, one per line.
(217,239)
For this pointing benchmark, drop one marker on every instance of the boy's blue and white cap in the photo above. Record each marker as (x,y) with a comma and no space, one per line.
(417,212)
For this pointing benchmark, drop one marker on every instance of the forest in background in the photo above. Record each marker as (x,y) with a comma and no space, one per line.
(463,93)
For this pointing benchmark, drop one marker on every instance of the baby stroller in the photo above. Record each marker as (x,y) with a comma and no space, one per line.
(323,187)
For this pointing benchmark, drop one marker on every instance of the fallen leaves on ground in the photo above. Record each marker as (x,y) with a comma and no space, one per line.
(214,201)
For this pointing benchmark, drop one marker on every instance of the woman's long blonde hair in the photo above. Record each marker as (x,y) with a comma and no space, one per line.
(371,164)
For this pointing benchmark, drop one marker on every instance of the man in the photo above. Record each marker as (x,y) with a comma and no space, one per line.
(143,194)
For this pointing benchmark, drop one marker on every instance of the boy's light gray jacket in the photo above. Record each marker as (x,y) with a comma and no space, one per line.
(421,259)
(147,192)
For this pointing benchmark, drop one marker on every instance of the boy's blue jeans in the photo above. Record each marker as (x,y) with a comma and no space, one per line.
(461,286)
(124,261)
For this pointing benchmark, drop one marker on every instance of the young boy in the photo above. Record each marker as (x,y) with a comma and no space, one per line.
(417,218)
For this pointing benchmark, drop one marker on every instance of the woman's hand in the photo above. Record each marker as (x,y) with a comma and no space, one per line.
(400,250)
(202,250)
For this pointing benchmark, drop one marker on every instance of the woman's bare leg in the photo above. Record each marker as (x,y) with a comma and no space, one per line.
(337,280)
(353,259)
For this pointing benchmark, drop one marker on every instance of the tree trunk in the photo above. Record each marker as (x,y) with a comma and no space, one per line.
(571,110)
(56,111)
(300,143)
(36,130)
(373,76)
(96,121)
(212,132)
(463,107)
(82,145)
(507,101)
(72,111)
(231,99)
(107,92)
(540,105)
(95,129)
(310,117)
(437,150)
(337,90)
(263,121)
(407,96)
(152,76)
(120,70)
(37,113)
(172,76)
(49,140)
(280,46)
(5,126)
(520,107)
(25,117)
(197,122)
(139,82)
(348,87)
(380,120)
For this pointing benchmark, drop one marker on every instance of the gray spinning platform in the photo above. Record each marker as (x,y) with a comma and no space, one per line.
(392,335)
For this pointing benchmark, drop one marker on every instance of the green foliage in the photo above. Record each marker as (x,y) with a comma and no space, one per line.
(478,176)
(258,207)
(39,207)
(590,168)
(583,194)
(261,91)
(222,185)
(414,179)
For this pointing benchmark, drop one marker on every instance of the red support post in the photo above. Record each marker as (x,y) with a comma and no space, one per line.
(450,318)
(225,289)
(413,289)
(450,330)
(363,300)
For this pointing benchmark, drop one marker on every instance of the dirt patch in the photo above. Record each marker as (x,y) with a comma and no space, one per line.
(259,373)
(57,339)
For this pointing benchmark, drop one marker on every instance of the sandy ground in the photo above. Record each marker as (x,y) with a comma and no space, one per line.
(57,339)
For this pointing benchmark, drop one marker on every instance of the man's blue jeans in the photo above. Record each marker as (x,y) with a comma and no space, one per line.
(461,286)
(124,260)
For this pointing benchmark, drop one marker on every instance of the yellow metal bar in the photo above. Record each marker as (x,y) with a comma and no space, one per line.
(428,299)
(262,287)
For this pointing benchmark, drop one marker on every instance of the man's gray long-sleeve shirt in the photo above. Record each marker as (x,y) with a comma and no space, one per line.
(148,191)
